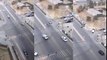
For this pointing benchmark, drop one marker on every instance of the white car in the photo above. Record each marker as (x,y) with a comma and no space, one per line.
(64,38)
(93,30)
(45,36)
(35,53)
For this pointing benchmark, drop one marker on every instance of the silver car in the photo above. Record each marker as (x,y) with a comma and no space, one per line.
(64,38)
(35,53)
(45,36)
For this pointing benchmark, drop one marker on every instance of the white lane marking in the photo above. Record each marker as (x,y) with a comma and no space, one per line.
(10,13)
(79,34)
(40,21)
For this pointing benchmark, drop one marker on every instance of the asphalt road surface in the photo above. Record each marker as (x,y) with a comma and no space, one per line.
(54,48)
(18,33)
(84,47)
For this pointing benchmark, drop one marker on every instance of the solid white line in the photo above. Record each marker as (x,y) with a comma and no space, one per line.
(40,21)
(79,34)
(10,13)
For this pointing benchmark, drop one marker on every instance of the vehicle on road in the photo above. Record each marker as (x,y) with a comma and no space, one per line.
(29,14)
(68,19)
(93,30)
(64,38)
(101,52)
(35,53)
(64,32)
(45,36)
(25,52)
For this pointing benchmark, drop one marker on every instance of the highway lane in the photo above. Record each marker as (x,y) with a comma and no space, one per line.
(19,20)
(89,50)
(15,31)
(55,39)
(43,47)
(84,47)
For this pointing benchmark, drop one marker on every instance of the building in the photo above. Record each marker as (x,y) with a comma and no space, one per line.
(55,1)
(94,14)
(80,2)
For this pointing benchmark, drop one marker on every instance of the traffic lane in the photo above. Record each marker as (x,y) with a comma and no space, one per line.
(48,26)
(55,49)
(89,41)
(61,44)
(25,45)
(11,32)
(82,50)
(21,29)
(37,36)
(18,21)
(51,51)
(57,37)
(44,20)
(40,15)
(86,36)
(44,47)
(21,39)
(38,25)
(55,34)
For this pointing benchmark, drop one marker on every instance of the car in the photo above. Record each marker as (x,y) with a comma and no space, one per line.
(102,29)
(64,38)
(45,36)
(62,17)
(67,20)
(101,52)
(93,30)
(50,22)
(64,31)
(25,52)
(29,14)
(35,53)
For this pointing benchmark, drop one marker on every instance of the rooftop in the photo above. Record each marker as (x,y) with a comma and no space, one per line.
(55,1)
(93,12)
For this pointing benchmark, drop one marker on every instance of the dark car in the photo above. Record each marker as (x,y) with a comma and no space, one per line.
(29,14)
(101,52)
(25,52)
(67,20)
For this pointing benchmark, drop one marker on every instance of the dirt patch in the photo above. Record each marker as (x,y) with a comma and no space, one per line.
(4,53)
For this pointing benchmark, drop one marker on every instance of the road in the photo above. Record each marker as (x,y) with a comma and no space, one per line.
(84,47)
(54,48)
(17,33)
